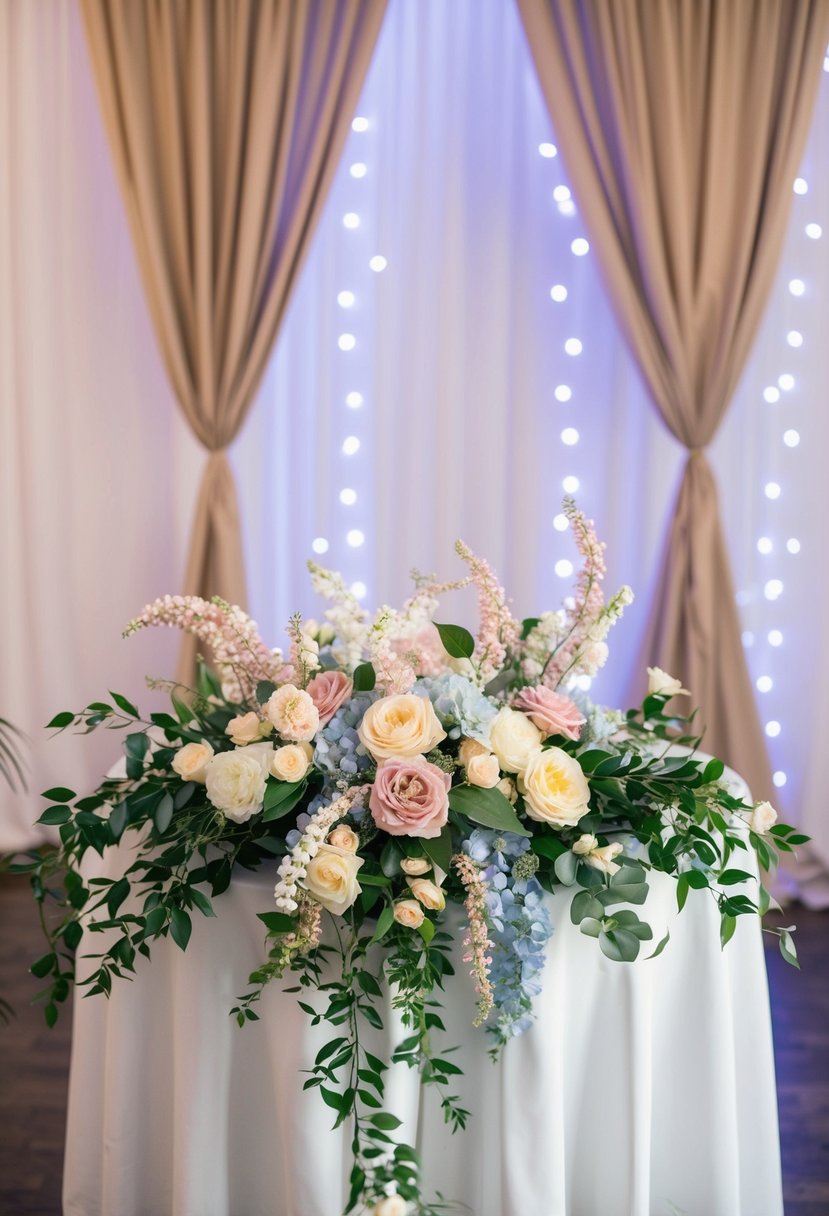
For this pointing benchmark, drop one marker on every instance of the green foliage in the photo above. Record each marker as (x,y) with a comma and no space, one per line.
(457,641)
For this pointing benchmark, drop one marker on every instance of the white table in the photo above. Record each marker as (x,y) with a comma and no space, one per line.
(643,1089)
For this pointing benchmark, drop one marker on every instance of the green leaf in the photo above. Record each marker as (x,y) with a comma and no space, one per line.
(277,922)
(364,677)
(697,879)
(457,641)
(116,895)
(391,857)
(528,625)
(727,926)
(281,797)
(548,846)
(59,794)
(620,945)
(426,929)
(43,965)
(632,893)
(729,877)
(788,948)
(660,947)
(180,927)
(566,865)
(385,1121)
(183,711)
(264,691)
(714,769)
(591,926)
(118,820)
(61,720)
(488,807)
(682,889)
(439,849)
(384,922)
(585,904)
(124,704)
(163,813)
(591,759)
(331,1098)
(55,814)
(51,1014)
(202,902)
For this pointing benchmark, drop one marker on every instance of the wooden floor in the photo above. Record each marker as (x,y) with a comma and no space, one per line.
(34,1065)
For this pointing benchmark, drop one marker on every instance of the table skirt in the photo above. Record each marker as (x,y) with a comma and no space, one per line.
(643,1089)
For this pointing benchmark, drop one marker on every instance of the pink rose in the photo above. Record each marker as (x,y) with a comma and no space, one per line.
(551,712)
(410,797)
(329,690)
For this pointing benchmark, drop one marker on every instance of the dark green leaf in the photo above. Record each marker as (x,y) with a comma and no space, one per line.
(696,879)
(714,769)
(584,904)
(124,704)
(202,902)
(566,865)
(51,1014)
(55,814)
(264,691)
(457,641)
(61,720)
(59,794)
(729,877)
(43,965)
(727,926)
(384,922)
(682,888)
(116,895)
(281,797)
(364,677)
(385,1121)
(663,943)
(277,922)
(163,813)
(439,849)
(118,820)
(426,929)
(620,945)
(487,807)
(180,927)
(548,846)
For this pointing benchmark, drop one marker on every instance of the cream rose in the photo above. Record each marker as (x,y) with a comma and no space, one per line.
(331,878)
(602,858)
(555,789)
(236,782)
(415,865)
(763,817)
(427,893)
(483,771)
(291,762)
(507,787)
(514,739)
(402,726)
(585,844)
(392,1205)
(408,912)
(469,749)
(293,713)
(665,685)
(191,761)
(345,838)
(247,728)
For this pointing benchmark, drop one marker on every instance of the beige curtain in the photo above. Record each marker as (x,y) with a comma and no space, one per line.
(682,123)
(226,121)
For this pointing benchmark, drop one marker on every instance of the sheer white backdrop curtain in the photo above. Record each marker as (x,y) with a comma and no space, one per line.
(97,471)
(458,352)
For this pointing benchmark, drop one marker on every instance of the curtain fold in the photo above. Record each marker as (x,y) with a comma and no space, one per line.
(226,122)
(682,125)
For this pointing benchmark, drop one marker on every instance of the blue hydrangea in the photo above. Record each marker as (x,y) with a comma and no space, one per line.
(519,925)
(461,708)
(339,750)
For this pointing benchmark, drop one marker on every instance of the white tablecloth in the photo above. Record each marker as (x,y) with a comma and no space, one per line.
(643,1089)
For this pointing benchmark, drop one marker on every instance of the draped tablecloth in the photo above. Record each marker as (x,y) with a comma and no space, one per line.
(643,1089)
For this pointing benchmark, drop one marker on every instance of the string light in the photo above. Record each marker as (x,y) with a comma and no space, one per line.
(351,220)
(377,263)
(771,394)
(319,544)
(358,169)
(558,293)
(345,299)
(348,497)
(563,567)
(548,151)
(814,231)
(786,382)
(359,124)
(355,538)
(580,246)
(346,341)
(351,445)
(354,400)
(569,436)
(562,392)
(573,346)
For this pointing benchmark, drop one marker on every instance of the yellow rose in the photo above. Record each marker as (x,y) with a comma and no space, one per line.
(402,726)
(343,837)
(427,893)
(408,912)
(555,789)
(483,771)
(190,761)
(291,762)
(514,739)
(331,878)
(415,865)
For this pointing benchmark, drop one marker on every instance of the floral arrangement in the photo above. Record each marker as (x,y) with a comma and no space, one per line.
(385,767)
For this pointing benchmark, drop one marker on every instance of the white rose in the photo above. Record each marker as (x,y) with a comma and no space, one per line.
(392,1205)
(763,817)
(483,771)
(555,789)
(345,838)
(291,762)
(507,787)
(427,893)
(415,865)
(247,728)
(514,739)
(585,844)
(408,912)
(293,713)
(401,726)
(190,761)
(331,878)
(663,684)
(236,782)
(602,858)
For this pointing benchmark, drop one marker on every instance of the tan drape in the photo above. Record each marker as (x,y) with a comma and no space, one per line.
(682,124)
(226,121)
